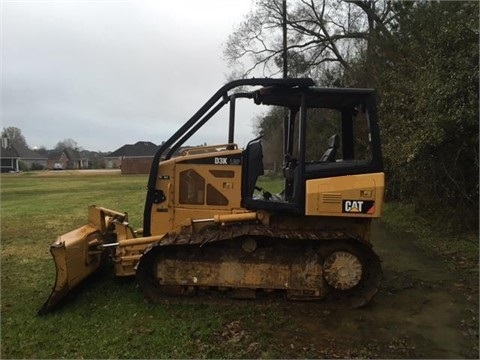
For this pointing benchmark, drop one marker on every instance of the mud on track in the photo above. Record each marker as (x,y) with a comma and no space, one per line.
(423,310)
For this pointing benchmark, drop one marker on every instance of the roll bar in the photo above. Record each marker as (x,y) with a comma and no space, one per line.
(198,120)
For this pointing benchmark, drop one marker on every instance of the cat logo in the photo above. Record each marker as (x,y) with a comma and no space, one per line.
(358,206)
(220,161)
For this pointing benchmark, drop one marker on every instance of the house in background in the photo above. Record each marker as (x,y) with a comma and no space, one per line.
(15,156)
(67,158)
(9,159)
(132,158)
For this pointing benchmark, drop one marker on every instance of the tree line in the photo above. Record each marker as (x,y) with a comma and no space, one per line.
(14,134)
(422,57)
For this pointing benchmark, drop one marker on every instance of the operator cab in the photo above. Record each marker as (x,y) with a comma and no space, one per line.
(326,133)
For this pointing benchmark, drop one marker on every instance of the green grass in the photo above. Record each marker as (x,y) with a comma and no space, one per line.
(274,183)
(107,317)
(436,234)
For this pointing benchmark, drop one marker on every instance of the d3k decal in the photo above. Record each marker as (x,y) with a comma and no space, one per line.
(358,206)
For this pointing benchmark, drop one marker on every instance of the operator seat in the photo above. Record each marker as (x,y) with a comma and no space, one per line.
(253,162)
(330,154)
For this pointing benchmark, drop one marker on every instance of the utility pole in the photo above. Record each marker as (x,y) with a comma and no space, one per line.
(284,25)
(287,128)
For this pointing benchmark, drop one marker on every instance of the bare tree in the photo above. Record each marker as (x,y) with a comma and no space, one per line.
(14,134)
(67,143)
(323,36)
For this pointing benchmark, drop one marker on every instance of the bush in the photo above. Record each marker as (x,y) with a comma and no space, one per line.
(22,166)
(36,166)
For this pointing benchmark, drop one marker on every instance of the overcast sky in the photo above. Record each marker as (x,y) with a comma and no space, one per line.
(108,73)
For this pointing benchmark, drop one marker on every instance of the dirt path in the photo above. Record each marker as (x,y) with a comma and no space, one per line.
(422,311)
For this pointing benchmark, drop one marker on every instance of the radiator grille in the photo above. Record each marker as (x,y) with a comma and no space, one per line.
(331,198)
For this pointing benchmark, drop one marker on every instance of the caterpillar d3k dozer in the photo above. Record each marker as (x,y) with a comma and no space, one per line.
(208,225)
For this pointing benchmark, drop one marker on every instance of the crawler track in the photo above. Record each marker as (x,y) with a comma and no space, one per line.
(244,259)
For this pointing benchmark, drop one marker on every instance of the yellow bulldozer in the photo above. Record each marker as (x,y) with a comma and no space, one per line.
(209,226)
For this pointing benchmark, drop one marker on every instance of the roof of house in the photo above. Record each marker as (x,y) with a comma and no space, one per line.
(19,150)
(140,148)
(71,154)
(54,154)
(8,153)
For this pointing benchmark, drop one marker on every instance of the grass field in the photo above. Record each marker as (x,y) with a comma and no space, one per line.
(108,318)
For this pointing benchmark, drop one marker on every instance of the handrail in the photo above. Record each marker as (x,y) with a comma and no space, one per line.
(205,149)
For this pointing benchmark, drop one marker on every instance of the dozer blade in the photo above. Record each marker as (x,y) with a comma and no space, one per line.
(77,254)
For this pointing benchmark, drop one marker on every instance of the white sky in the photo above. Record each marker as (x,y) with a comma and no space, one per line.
(108,73)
